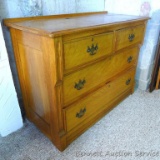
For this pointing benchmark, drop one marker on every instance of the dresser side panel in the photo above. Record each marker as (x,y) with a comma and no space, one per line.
(31,72)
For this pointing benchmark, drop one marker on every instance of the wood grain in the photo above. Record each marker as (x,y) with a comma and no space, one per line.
(96,74)
(99,98)
(69,23)
(60,79)
(36,80)
(82,127)
(76,52)
(122,36)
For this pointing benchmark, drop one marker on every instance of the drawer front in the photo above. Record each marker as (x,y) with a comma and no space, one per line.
(78,83)
(96,102)
(81,51)
(129,36)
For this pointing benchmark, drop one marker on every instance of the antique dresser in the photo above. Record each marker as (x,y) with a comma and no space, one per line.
(74,68)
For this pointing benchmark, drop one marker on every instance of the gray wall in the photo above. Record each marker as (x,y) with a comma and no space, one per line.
(23,8)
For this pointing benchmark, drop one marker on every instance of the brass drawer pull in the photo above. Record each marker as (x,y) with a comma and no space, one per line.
(129,59)
(80,84)
(81,113)
(131,37)
(128,81)
(93,49)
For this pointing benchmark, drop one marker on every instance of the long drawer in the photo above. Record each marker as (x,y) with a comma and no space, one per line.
(98,100)
(82,81)
(81,51)
(129,36)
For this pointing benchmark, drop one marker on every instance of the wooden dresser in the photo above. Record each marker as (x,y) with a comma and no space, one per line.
(74,68)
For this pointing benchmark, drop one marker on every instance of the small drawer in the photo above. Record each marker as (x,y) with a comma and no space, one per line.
(80,82)
(97,101)
(84,50)
(129,36)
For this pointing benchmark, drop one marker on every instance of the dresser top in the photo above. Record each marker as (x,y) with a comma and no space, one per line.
(62,24)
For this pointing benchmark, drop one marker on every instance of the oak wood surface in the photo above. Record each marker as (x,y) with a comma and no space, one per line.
(53,59)
(95,102)
(81,128)
(122,36)
(36,80)
(67,23)
(81,51)
(97,73)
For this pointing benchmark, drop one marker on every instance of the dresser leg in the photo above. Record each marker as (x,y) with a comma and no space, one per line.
(59,142)
(61,146)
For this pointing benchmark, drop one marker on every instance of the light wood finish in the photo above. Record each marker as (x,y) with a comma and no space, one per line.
(69,23)
(81,51)
(93,74)
(59,78)
(103,96)
(82,127)
(124,36)
(38,101)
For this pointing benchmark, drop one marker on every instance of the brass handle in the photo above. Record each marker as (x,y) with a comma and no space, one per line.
(129,59)
(131,37)
(93,49)
(81,113)
(80,84)
(128,81)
